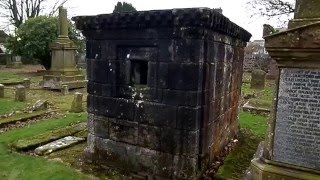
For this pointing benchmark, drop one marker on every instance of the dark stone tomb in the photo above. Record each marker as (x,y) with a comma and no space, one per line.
(164,89)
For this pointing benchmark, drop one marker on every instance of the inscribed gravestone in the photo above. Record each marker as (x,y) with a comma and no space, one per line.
(297,135)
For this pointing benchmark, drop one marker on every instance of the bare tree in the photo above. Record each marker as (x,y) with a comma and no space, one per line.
(271,8)
(17,11)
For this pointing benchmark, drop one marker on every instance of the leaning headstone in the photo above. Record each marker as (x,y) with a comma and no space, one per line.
(77,103)
(65,90)
(1,91)
(20,93)
(258,79)
(40,105)
(26,83)
(292,148)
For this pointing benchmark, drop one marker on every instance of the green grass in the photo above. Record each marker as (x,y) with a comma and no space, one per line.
(41,127)
(264,98)
(253,131)
(26,143)
(19,166)
(8,105)
(8,77)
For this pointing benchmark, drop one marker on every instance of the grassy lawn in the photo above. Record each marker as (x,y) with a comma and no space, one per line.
(19,166)
(263,98)
(7,77)
(8,105)
(253,130)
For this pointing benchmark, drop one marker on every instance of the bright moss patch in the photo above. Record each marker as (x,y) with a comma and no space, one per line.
(253,130)
(41,139)
(42,127)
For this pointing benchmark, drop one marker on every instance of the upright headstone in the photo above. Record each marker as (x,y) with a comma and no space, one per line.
(258,79)
(17,63)
(1,91)
(65,90)
(292,149)
(76,106)
(20,93)
(63,63)
(9,61)
(26,83)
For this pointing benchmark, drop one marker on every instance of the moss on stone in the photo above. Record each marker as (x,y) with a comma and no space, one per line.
(21,117)
(31,142)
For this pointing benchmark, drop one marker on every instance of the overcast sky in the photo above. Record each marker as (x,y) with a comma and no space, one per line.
(235,10)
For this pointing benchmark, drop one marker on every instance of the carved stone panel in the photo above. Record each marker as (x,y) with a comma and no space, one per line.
(297,127)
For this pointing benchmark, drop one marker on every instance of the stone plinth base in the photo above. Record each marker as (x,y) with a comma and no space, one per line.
(16,65)
(56,81)
(261,170)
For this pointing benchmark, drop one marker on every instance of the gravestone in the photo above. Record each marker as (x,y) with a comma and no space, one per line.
(1,91)
(20,93)
(258,79)
(26,83)
(65,90)
(9,61)
(292,149)
(16,62)
(63,69)
(76,106)
(164,89)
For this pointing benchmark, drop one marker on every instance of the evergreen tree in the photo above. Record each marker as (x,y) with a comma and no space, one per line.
(124,7)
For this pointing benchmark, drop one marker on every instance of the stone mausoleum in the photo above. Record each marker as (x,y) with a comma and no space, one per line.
(164,88)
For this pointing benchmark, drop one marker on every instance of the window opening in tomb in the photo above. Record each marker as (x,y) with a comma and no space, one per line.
(139,72)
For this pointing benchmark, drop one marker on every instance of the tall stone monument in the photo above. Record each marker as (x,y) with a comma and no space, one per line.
(292,148)
(63,69)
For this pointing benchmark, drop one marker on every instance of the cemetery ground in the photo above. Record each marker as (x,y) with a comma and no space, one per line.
(22,130)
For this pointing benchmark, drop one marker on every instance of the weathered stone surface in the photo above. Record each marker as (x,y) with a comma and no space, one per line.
(20,93)
(57,145)
(77,103)
(26,82)
(40,105)
(258,79)
(161,86)
(1,91)
(297,137)
(63,69)
(65,90)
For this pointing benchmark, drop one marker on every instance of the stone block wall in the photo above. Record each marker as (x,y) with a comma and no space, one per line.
(164,88)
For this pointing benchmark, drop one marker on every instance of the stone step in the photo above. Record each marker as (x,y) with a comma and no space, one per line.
(58,145)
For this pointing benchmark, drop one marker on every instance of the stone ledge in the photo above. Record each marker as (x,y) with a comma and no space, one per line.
(262,170)
(189,17)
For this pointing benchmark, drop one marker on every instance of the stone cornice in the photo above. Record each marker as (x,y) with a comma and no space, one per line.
(190,17)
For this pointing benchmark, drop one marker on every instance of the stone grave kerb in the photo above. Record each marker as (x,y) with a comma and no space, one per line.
(297,53)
